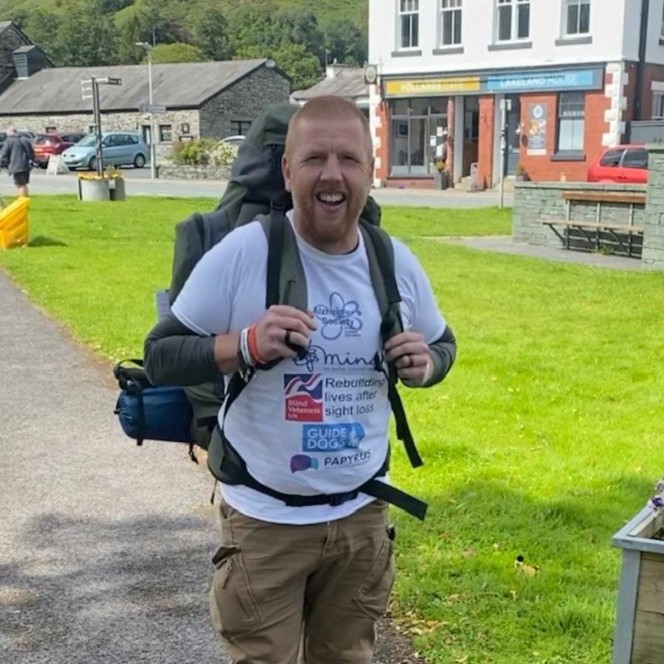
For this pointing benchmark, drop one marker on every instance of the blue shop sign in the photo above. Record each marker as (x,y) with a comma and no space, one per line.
(572,79)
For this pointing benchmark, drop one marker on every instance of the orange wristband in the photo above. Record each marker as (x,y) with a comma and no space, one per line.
(253,346)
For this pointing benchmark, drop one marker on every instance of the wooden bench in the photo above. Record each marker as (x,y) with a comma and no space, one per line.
(595,231)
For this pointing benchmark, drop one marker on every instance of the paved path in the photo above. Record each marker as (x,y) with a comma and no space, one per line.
(105,547)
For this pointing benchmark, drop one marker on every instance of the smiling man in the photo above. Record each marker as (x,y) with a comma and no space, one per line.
(305,566)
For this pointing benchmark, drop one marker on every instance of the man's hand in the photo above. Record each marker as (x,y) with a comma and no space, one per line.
(410,354)
(281,329)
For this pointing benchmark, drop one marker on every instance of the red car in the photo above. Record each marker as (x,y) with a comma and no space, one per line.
(46,145)
(623,164)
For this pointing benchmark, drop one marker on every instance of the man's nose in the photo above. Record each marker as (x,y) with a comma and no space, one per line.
(331,169)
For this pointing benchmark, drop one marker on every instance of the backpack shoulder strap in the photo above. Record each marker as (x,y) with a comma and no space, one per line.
(380,254)
(286,283)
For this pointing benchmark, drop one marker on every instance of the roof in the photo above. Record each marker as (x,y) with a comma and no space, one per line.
(181,85)
(347,83)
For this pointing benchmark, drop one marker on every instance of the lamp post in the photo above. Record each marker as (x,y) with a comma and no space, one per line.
(153,152)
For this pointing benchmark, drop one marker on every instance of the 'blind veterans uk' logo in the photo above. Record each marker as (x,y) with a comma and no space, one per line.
(304,397)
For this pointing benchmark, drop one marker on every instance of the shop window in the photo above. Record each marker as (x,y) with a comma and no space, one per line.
(240,127)
(571,121)
(512,20)
(577,17)
(165,133)
(450,23)
(409,23)
(658,106)
(415,134)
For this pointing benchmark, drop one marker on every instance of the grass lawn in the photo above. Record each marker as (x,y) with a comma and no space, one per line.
(541,443)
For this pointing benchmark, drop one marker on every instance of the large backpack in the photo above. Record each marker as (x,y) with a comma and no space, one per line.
(257,191)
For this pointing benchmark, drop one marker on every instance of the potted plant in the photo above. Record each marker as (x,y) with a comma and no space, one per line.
(109,185)
(521,174)
(640,614)
(440,174)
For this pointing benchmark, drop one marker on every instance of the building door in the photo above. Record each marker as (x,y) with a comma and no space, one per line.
(513,136)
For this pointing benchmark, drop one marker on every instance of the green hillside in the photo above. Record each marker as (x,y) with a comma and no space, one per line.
(300,35)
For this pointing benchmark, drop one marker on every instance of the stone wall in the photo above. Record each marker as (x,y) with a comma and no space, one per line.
(132,121)
(535,202)
(653,237)
(243,101)
(183,172)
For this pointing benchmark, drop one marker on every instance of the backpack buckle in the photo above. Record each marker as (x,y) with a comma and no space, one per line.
(337,499)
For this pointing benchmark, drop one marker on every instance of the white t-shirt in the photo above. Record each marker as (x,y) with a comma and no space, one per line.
(317,425)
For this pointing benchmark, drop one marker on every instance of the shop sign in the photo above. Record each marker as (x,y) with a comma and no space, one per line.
(579,79)
(431,86)
(537,117)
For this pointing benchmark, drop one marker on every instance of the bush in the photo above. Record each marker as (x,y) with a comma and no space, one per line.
(194,153)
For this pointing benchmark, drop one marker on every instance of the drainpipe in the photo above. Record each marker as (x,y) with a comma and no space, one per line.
(637,108)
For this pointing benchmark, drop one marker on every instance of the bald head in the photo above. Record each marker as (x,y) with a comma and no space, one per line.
(327,108)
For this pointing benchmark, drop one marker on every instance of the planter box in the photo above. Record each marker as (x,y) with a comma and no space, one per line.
(112,189)
(639,635)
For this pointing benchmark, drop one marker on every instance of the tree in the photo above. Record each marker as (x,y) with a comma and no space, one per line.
(344,42)
(209,31)
(303,67)
(86,38)
(178,52)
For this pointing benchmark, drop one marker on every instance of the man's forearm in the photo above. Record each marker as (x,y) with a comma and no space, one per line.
(443,354)
(175,355)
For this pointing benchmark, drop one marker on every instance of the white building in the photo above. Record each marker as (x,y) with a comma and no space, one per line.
(570,75)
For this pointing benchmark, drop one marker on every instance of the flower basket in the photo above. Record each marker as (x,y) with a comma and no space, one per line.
(108,187)
(639,633)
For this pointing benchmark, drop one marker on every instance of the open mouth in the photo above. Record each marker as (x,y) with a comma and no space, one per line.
(330,200)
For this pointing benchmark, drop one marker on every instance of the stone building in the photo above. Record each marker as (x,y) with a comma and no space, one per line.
(18,56)
(192,100)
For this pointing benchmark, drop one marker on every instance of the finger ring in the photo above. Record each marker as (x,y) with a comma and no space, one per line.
(410,361)
(287,337)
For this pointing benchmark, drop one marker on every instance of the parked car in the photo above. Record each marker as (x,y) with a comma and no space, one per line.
(235,141)
(119,148)
(624,164)
(46,145)
(25,134)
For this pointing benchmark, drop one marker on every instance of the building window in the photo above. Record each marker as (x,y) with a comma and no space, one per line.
(657,106)
(409,23)
(450,22)
(165,133)
(661,30)
(571,120)
(184,128)
(512,20)
(240,127)
(416,131)
(577,17)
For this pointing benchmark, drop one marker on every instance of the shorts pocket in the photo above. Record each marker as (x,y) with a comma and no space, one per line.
(233,606)
(373,594)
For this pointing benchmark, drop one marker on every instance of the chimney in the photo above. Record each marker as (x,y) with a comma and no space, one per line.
(333,70)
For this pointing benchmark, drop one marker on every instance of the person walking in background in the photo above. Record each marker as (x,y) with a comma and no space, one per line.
(17,157)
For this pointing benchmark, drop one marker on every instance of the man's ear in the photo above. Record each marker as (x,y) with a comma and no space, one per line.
(285,171)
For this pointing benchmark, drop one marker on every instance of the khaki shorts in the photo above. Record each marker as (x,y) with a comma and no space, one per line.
(319,589)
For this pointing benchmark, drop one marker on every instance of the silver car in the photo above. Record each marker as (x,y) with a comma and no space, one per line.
(119,148)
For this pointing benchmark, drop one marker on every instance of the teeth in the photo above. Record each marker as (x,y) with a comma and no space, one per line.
(331,198)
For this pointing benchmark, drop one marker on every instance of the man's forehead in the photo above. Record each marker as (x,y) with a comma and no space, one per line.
(334,133)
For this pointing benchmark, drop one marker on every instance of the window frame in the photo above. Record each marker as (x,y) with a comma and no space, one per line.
(661,29)
(453,10)
(574,150)
(240,127)
(513,6)
(163,129)
(567,6)
(412,10)
(657,105)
